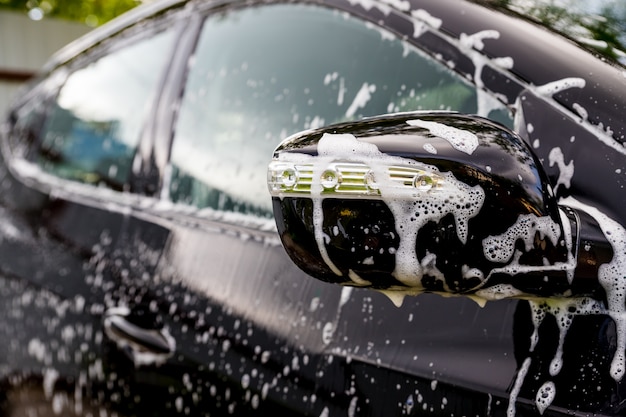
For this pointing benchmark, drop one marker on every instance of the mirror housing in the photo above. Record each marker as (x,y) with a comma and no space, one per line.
(425,202)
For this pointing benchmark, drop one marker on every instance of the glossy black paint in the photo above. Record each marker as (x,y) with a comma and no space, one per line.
(256,336)
(502,165)
(540,59)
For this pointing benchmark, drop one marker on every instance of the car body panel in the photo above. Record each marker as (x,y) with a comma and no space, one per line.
(253,331)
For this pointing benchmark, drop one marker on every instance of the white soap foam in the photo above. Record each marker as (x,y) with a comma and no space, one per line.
(461,140)
(475,40)
(411,212)
(564,310)
(517,386)
(555,87)
(426,17)
(499,292)
(430,148)
(501,248)
(411,208)
(566,171)
(545,396)
(612,277)
(363,96)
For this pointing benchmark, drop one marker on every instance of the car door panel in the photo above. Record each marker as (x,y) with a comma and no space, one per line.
(250,328)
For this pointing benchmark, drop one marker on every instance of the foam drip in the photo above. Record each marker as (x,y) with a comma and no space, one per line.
(612,277)
(411,208)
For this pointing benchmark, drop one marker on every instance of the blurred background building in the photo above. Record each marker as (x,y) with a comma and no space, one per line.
(32,30)
(26,44)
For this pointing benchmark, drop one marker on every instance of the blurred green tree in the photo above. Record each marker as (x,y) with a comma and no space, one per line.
(598,25)
(90,12)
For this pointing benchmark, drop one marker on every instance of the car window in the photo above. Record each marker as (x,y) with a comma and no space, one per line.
(94,124)
(263,73)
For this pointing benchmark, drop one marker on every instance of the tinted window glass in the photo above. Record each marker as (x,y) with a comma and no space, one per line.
(263,73)
(94,124)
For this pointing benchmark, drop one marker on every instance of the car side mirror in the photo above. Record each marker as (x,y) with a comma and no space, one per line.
(425,202)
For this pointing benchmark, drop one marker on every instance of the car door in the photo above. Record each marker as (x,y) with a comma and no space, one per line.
(68,180)
(250,330)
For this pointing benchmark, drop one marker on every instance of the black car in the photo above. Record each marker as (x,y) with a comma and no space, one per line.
(152,264)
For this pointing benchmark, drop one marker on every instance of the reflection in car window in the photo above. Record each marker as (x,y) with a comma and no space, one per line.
(95,123)
(261,74)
